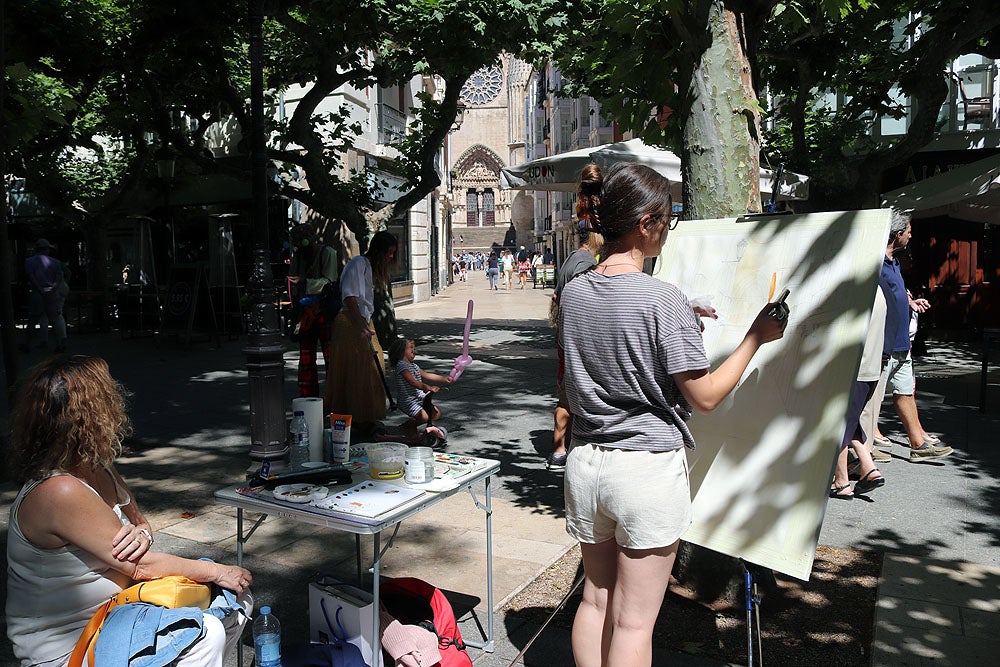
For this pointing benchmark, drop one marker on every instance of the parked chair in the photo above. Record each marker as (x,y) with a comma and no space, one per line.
(978,109)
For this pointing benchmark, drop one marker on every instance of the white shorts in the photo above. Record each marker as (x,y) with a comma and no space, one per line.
(899,374)
(641,499)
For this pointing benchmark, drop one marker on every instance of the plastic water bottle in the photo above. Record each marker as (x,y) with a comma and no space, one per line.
(267,639)
(298,440)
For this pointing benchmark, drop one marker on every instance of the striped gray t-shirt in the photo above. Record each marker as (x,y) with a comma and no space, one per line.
(624,337)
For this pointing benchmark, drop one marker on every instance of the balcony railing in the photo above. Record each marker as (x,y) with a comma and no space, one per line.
(391,125)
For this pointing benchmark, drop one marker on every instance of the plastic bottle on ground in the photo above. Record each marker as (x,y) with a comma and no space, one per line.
(267,639)
(298,441)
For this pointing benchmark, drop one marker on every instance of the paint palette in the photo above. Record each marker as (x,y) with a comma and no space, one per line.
(300,493)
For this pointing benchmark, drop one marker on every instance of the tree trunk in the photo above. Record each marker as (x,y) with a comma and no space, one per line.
(721,147)
(721,165)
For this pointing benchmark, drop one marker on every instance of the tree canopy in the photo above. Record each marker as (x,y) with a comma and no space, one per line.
(880,61)
(653,68)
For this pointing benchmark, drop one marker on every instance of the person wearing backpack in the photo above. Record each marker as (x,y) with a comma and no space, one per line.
(315,292)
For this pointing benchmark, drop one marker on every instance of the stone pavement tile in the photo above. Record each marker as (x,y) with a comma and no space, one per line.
(932,650)
(271,535)
(898,612)
(509,519)
(937,612)
(463,573)
(208,528)
(950,582)
(981,624)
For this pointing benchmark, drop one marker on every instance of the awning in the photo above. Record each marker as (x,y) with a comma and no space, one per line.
(562,172)
(970,192)
(559,173)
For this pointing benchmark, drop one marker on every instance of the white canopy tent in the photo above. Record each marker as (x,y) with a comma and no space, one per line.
(970,192)
(561,172)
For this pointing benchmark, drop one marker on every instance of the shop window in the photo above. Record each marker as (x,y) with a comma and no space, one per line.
(400,228)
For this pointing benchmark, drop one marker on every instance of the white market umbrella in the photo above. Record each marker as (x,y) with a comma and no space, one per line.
(557,173)
(562,172)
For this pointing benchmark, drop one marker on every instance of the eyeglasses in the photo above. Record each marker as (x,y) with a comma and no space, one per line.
(671,220)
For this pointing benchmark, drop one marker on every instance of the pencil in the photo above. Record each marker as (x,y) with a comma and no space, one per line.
(774,283)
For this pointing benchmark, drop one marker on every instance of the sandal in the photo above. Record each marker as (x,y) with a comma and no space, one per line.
(867,483)
(835,492)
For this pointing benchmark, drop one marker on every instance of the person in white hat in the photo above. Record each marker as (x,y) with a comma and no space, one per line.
(48,290)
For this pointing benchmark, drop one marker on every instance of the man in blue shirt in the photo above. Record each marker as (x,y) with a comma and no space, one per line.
(896,343)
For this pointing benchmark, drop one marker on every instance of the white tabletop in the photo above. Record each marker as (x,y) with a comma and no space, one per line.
(348,522)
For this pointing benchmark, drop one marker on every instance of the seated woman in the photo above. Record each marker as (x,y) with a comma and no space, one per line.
(76,536)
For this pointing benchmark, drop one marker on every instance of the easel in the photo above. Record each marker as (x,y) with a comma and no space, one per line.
(751,576)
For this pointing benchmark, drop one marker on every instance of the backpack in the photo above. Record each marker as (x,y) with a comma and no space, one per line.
(416,602)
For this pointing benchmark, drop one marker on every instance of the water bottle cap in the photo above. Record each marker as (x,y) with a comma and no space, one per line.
(265,610)
(300,413)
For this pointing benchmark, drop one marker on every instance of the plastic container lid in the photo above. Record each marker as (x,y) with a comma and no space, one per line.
(265,610)
(419,453)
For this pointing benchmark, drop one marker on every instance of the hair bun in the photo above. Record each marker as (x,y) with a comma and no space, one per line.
(591,180)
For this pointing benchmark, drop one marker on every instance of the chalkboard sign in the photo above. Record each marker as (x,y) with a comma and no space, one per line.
(188,303)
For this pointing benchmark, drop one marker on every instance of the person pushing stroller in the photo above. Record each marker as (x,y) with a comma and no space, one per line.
(413,392)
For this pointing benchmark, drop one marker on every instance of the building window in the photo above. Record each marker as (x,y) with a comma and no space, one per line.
(489,214)
(472,208)
(483,86)
(400,228)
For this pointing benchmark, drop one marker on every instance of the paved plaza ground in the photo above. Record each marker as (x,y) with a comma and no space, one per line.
(939,599)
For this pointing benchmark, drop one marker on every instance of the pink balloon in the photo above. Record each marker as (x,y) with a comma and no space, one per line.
(462,362)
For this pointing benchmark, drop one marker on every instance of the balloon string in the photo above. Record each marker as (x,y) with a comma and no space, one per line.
(468,326)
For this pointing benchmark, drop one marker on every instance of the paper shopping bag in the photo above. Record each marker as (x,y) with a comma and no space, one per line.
(340,611)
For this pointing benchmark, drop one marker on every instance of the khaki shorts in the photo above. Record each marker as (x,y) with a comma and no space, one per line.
(641,499)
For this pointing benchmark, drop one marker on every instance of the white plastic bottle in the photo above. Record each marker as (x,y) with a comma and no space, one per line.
(298,441)
(267,639)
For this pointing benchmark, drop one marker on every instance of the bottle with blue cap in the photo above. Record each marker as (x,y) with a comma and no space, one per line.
(267,639)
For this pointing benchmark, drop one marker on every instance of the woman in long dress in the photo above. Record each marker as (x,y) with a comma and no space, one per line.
(353,383)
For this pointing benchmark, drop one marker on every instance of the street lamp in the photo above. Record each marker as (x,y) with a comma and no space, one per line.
(459,117)
(166,162)
(265,365)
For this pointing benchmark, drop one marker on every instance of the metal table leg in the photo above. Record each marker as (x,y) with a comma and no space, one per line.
(488,509)
(376,631)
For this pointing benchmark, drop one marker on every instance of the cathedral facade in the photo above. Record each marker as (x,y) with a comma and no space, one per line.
(491,137)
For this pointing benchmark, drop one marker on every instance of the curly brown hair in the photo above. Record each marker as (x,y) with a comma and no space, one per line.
(69,412)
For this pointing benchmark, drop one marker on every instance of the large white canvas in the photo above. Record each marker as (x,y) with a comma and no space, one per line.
(761,472)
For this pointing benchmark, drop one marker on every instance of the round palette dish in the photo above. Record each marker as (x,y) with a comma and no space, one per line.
(386,459)
(300,493)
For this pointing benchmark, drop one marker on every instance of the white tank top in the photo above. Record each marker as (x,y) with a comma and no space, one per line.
(52,593)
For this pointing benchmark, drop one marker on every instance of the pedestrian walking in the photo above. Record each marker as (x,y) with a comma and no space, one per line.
(48,290)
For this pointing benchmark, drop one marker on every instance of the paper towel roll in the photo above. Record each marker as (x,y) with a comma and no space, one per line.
(312,407)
